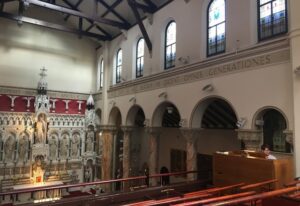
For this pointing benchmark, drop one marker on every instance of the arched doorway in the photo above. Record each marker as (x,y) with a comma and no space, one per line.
(273,124)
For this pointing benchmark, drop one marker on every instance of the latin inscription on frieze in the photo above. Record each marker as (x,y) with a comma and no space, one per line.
(204,73)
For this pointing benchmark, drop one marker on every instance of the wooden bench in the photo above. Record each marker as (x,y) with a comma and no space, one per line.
(256,197)
(191,196)
(259,185)
(215,190)
(215,199)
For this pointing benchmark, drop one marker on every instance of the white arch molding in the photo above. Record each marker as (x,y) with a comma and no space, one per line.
(199,109)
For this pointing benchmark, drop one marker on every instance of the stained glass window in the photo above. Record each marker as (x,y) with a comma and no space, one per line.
(216,27)
(170,47)
(140,58)
(272,18)
(119,66)
(101,73)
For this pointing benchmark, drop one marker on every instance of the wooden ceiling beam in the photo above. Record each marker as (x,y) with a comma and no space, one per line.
(116,3)
(21,19)
(92,24)
(151,4)
(145,8)
(77,13)
(131,3)
(109,8)
(75,7)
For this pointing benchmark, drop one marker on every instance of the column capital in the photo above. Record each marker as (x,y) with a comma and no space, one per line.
(289,137)
(127,128)
(154,130)
(249,134)
(251,138)
(109,128)
(190,133)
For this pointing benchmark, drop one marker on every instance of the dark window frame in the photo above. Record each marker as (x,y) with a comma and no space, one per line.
(207,32)
(118,67)
(170,45)
(139,69)
(101,73)
(272,23)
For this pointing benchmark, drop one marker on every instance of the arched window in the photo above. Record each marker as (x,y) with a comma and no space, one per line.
(119,66)
(170,45)
(101,73)
(216,27)
(272,18)
(140,58)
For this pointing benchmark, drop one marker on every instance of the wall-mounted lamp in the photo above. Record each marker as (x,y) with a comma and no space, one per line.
(147,123)
(133,100)
(184,60)
(150,18)
(183,123)
(170,110)
(241,123)
(208,88)
(297,70)
(163,95)
(112,102)
(124,32)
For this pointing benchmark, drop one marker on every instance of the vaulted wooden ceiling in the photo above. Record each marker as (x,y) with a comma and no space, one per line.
(101,20)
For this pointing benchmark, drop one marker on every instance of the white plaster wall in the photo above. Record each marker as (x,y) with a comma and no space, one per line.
(247,92)
(191,35)
(71,62)
(295,63)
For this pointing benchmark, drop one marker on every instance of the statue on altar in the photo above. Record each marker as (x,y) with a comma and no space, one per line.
(23,146)
(38,169)
(41,129)
(9,147)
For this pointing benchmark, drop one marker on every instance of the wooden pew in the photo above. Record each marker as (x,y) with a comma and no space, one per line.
(215,190)
(255,197)
(174,200)
(292,183)
(200,194)
(259,186)
(216,199)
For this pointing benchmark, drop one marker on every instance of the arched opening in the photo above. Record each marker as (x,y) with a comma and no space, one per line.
(217,120)
(214,113)
(171,143)
(166,115)
(136,118)
(115,118)
(273,124)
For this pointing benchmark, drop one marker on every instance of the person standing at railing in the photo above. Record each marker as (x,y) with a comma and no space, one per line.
(266,150)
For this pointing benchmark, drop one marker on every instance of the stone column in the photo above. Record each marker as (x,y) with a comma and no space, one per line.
(126,154)
(107,155)
(190,136)
(154,134)
(252,138)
